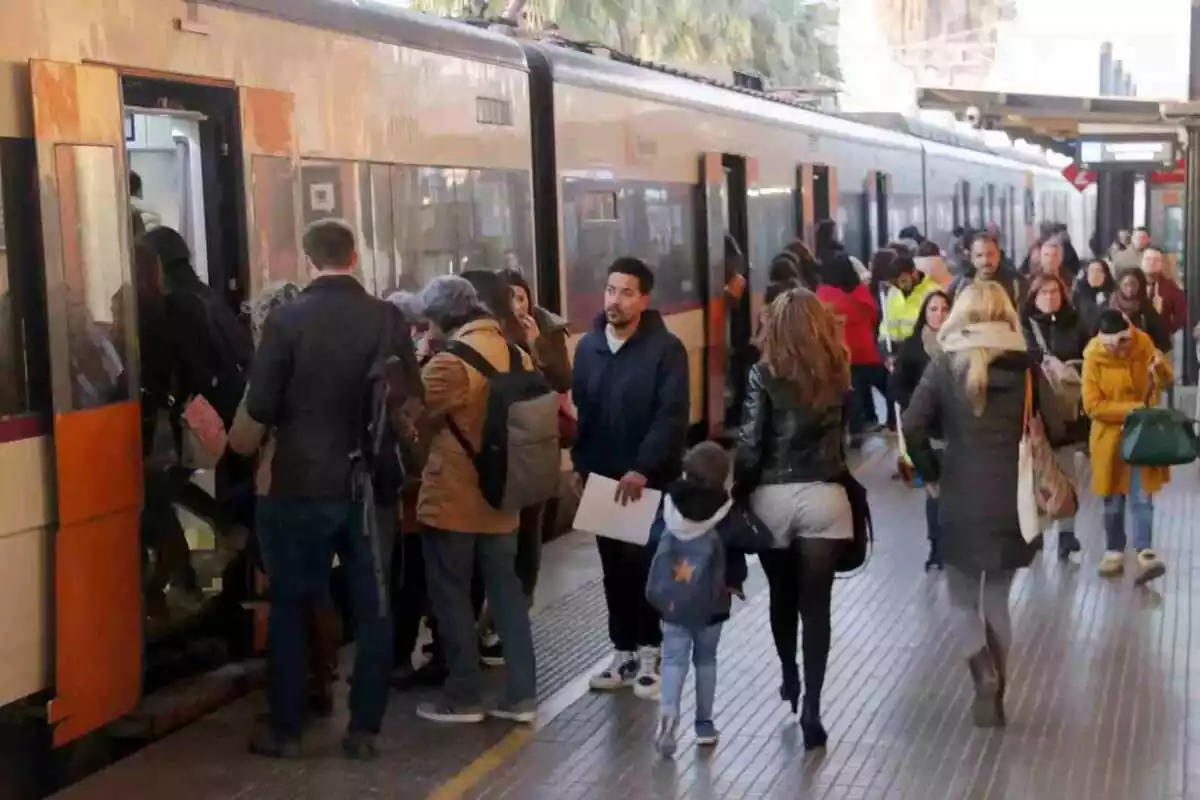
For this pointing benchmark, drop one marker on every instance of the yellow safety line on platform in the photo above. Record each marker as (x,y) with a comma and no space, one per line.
(515,740)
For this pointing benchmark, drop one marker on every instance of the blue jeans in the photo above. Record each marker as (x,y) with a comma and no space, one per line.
(299,540)
(681,645)
(450,559)
(1143,517)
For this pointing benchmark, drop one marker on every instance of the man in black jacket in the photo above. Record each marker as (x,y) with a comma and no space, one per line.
(631,389)
(310,385)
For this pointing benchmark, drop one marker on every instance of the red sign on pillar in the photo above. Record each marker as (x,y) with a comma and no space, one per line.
(1079,178)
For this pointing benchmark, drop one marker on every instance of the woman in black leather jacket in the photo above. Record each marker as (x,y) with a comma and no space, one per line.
(790,450)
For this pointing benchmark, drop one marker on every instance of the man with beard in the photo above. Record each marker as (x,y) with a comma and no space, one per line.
(631,388)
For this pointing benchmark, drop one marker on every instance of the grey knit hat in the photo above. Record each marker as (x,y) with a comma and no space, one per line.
(707,464)
(409,304)
(448,301)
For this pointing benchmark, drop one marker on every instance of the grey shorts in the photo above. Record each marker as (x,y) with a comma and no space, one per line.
(804,511)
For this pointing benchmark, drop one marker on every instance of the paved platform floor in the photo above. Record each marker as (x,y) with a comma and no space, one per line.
(1100,702)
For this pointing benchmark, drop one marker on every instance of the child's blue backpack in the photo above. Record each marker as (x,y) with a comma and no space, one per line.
(687,579)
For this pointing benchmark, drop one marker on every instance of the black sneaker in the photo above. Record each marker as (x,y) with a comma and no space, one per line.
(491,651)
(360,745)
(264,741)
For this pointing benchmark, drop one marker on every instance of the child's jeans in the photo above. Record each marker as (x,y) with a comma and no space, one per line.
(681,645)
(1143,517)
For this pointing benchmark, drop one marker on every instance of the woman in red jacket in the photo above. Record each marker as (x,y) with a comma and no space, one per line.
(858,311)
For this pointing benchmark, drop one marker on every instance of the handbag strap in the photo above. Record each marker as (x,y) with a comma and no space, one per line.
(1027,415)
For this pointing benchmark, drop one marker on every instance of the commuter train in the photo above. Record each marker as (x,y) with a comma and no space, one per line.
(449,147)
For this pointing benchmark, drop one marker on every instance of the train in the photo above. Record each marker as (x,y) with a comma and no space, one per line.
(449,146)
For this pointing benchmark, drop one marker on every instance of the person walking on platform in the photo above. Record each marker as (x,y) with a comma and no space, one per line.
(1093,290)
(1165,295)
(462,529)
(1132,299)
(976,393)
(694,574)
(988,265)
(789,458)
(913,357)
(631,388)
(1057,336)
(1121,370)
(311,375)
(858,313)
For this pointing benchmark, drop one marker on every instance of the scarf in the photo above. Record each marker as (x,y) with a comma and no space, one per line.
(990,335)
(929,339)
(1129,308)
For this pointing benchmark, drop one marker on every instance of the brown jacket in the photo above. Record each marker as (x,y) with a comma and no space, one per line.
(450,498)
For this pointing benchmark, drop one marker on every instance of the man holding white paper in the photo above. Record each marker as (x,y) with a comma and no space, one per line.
(631,388)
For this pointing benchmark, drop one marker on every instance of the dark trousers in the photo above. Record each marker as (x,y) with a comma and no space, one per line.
(450,564)
(933,525)
(536,524)
(863,379)
(632,621)
(410,596)
(299,540)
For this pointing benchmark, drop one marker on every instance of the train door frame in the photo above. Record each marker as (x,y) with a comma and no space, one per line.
(78,113)
(725,182)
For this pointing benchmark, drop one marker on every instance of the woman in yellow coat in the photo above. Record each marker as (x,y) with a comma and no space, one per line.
(1121,370)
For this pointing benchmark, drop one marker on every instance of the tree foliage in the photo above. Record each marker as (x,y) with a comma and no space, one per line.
(791,42)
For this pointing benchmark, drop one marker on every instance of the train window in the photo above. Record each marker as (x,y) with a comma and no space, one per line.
(447,220)
(1030,207)
(654,222)
(991,203)
(966,204)
(24,363)
(598,207)
(98,294)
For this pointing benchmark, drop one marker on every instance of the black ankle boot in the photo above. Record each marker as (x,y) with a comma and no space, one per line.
(985,710)
(814,733)
(789,692)
(1000,662)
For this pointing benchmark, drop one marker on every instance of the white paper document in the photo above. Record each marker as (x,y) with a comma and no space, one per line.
(601,514)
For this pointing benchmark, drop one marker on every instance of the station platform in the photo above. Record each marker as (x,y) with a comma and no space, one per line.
(1100,702)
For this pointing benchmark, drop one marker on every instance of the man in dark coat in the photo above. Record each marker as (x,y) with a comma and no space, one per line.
(631,388)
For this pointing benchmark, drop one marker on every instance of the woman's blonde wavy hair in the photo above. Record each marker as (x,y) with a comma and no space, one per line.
(801,343)
(980,302)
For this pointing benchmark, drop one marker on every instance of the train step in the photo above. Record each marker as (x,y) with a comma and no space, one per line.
(173,707)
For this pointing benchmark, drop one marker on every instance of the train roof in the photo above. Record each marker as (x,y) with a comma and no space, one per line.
(384,22)
(573,63)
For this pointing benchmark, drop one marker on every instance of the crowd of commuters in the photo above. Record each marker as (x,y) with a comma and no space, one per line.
(959,350)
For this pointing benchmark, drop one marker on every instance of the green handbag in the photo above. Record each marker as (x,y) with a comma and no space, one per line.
(1158,437)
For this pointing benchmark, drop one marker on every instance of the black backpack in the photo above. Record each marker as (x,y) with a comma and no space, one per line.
(394,401)
(519,459)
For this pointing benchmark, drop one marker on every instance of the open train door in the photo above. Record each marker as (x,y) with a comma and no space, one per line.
(818,198)
(85,212)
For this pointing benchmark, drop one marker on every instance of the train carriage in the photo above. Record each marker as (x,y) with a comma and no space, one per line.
(450,147)
(243,126)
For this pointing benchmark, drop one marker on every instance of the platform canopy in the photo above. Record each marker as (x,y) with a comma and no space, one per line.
(1050,121)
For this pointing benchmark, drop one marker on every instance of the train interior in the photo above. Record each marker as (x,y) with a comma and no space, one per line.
(182,144)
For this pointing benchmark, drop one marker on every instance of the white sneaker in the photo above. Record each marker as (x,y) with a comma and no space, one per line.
(1112,565)
(646,684)
(617,675)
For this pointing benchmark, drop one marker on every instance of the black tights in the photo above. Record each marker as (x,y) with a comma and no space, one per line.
(801,582)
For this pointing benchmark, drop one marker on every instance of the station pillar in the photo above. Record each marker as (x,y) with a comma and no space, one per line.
(1191,205)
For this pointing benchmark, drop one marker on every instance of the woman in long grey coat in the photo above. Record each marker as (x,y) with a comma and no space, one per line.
(975,391)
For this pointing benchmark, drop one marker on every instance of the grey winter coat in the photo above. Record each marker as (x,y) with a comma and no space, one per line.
(977,475)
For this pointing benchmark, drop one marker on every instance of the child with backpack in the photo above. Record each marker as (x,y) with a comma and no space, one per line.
(692,578)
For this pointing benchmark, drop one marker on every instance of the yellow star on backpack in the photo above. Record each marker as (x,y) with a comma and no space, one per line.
(683,571)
